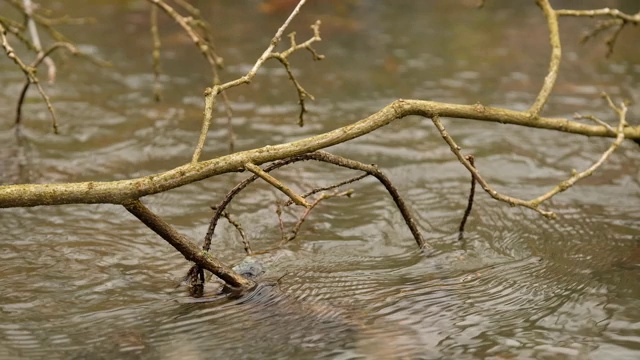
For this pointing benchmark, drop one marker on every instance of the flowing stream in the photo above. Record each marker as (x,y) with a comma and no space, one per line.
(90,281)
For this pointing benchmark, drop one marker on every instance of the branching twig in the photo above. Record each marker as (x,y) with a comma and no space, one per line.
(330,187)
(282,57)
(236,224)
(595,120)
(29,73)
(220,89)
(33,32)
(385,181)
(332,159)
(617,22)
(564,185)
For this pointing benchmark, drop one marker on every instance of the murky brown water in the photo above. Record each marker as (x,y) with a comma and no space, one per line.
(92,282)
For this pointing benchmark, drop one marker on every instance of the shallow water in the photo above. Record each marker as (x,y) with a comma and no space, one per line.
(89,281)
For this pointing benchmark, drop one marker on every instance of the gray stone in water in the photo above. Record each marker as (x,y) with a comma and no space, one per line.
(250,267)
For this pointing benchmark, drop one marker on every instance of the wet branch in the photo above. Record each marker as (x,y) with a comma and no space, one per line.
(186,247)
(534,204)
(472,192)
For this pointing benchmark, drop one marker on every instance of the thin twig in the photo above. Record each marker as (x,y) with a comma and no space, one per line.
(238,226)
(472,192)
(282,58)
(330,187)
(554,62)
(299,200)
(31,78)
(562,186)
(219,89)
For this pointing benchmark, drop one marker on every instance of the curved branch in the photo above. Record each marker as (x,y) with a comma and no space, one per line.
(554,62)
(118,192)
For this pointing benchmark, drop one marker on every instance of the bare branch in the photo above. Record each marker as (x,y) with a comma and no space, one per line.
(277,184)
(554,62)
(330,187)
(186,247)
(219,89)
(564,185)
(117,192)
(29,72)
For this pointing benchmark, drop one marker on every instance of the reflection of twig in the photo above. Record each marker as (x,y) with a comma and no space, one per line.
(472,191)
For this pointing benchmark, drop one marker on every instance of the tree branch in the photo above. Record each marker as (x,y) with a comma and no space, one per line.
(554,62)
(186,247)
(118,192)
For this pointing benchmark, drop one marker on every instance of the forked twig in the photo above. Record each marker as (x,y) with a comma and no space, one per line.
(211,94)
(534,204)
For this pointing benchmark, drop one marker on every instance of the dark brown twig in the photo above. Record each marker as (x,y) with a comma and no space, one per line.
(472,192)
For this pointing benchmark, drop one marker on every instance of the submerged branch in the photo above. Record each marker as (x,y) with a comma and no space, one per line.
(186,247)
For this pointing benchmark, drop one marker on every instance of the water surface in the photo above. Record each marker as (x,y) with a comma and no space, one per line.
(89,281)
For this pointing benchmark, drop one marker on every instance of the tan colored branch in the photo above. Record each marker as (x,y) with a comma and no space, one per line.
(554,62)
(562,186)
(613,13)
(299,200)
(118,192)
(248,77)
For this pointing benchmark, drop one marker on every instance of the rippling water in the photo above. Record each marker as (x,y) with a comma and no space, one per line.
(91,282)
